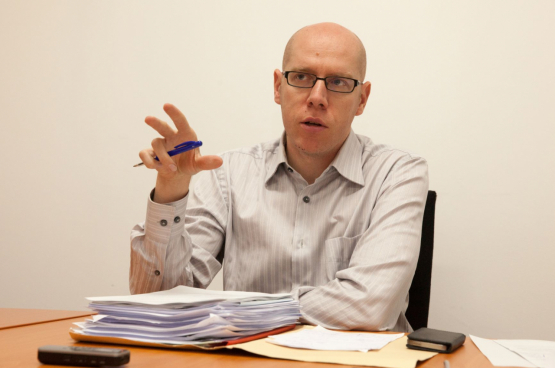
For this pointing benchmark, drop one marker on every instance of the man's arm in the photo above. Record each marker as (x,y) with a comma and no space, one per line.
(370,294)
(164,256)
(158,247)
(161,250)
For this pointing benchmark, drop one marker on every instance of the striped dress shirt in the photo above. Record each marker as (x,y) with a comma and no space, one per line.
(345,246)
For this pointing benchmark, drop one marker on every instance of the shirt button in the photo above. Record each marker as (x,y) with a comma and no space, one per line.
(157,273)
(306,199)
(177,219)
(163,222)
(289,169)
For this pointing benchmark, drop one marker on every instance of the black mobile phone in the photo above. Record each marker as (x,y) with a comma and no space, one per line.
(82,356)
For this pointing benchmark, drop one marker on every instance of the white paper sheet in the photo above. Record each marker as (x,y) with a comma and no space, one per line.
(538,352)
(498,355)
(320,338)
(184,295)
(145,321)
(161,341)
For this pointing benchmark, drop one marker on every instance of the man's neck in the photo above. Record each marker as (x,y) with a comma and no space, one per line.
(310,167)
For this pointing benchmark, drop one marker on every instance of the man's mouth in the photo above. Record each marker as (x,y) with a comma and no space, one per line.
(311,123)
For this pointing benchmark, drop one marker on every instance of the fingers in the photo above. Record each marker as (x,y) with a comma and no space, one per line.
(165,164)
(160,126)
(208,162)
(177,117)
(147,156)
(159,146)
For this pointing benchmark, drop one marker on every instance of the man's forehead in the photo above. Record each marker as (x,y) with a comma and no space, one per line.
(329,43)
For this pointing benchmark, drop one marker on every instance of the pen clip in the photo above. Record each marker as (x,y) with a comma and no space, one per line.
(189,143)
(183,147)
(180,148)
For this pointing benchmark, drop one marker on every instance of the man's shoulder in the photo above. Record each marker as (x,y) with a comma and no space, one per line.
(382,160)
(377,152)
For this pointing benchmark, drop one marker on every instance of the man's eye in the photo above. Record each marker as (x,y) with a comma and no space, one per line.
(338,82)
(300,76)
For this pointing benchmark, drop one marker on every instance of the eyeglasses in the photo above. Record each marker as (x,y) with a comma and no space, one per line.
(335,84)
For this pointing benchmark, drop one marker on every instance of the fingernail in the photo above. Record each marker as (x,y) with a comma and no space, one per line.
(173,167)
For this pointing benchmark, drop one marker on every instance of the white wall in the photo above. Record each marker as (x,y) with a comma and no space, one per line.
(468,85)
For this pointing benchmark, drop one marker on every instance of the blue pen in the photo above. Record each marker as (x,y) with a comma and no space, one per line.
(180,148)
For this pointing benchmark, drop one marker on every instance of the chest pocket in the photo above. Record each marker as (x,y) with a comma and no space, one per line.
(338,252)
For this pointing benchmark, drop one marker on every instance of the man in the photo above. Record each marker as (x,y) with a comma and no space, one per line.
(322,212)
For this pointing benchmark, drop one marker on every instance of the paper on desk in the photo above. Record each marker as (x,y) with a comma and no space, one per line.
(248,321)
(76,332)
(393,355)
(185,314)
(498,355)
(320,338)
(186,296)
(541,353)
(158,313)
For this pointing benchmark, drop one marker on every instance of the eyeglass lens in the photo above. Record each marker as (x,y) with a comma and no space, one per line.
(306,80)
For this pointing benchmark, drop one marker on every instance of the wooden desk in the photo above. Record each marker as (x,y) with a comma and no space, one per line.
(19,349)
(10,317)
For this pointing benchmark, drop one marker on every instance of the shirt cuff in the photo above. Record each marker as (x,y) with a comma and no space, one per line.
(164,222)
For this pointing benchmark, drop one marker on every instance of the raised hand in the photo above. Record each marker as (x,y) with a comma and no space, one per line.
(174,173)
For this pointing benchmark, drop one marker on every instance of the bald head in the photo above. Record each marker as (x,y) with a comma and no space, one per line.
(325,33)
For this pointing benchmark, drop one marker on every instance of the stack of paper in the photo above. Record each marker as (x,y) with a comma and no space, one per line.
(185,315)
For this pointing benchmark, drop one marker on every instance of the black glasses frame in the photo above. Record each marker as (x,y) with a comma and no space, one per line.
(286,74)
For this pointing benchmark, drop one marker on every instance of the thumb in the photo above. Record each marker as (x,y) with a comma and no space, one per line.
(209,162)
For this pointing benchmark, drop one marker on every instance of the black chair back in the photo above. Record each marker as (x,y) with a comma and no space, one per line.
(419,292)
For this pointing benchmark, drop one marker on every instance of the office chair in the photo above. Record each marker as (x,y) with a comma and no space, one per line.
(419,292)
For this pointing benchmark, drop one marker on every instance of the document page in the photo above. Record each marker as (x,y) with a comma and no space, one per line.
(181,296)
(498,355)
(541,353)
(320,338)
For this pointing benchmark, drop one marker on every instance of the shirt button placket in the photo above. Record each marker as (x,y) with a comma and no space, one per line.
(301,228)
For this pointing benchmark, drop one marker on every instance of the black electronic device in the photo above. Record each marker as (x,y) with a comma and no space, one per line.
(435,340)
(82,356)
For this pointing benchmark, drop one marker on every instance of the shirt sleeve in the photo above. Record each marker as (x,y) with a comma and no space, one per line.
(180,243)
(370,294)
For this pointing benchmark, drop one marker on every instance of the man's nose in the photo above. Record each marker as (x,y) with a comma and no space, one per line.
(318,95)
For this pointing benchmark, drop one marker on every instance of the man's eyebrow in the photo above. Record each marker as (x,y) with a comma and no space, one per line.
(305,70)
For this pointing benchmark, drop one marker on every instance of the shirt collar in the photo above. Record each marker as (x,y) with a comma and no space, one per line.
(277,158)
(348,161)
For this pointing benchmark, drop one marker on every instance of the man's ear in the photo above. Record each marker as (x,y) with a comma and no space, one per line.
(277,84)
(365,93)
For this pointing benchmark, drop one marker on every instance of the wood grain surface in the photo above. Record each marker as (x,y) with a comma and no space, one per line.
(20,344)
(14,317)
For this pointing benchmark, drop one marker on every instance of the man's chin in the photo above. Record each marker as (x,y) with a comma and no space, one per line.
(312,150)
